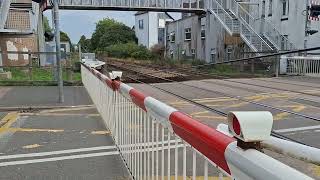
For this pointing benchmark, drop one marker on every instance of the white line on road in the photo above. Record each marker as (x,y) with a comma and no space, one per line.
(57,152)
(297,129)
(80,156)
(11,163)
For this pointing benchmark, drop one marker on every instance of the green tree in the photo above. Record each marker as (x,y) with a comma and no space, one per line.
(46,24)
(109,32)
(85,44)
(64,37)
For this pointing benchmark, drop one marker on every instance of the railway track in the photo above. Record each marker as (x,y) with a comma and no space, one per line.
(181,76)
(217,111)
(228,95)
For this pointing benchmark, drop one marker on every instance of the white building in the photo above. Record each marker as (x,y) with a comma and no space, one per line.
(202,38)
(288,17)
(150,27)
(266,25)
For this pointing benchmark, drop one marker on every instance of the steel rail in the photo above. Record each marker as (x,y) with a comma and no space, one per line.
(230,96)
(226,78)
(273,133)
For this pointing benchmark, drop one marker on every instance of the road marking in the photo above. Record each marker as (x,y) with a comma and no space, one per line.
(8,120)
(100,132)
(76,108)
(32,130)
(198,113)
(316,170)
(31,146)
(59,114)
(238,104)
(212,117)
(280,116)
(81,156)
(15,156)
(297,129)
(296,108)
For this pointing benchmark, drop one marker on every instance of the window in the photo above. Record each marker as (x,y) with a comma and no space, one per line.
(161,36)
(141,24)
(285,8)
(187,34)
(193,53)
(213,55)
(284,42)
(203,32)
(171,54)
(270,8)
(229,52)
(172,37)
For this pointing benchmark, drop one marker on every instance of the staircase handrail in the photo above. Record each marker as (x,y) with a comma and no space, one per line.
(220,7)
(247,24)
(236,6)
(269,25)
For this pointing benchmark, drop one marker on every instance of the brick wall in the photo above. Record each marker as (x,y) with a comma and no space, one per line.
(16,43)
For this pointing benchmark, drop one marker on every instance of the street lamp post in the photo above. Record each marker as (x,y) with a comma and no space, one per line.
(58,49)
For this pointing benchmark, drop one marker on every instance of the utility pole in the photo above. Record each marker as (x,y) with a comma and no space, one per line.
(58,49)
(306,28)
(1,53)
(79,49)
(306,37)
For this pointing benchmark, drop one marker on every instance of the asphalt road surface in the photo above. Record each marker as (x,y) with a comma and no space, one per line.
(73,143)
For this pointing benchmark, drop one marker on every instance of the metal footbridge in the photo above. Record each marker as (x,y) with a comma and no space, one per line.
(192,6)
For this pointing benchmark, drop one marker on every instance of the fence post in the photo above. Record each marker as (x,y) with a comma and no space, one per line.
(305,66)
(69,68)
(252,66)
(277,61)
(30,65)
(1,57)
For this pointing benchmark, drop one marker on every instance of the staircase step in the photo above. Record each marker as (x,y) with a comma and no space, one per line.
(21,5)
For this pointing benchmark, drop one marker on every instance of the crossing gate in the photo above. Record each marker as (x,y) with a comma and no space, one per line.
(157,141)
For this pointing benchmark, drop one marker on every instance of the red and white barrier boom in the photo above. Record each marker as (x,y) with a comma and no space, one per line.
(157,141)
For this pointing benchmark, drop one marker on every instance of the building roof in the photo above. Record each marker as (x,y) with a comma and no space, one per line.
(140,12)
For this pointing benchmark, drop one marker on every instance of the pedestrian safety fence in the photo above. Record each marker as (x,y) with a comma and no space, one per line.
(157,141)
(300,65)
(132,4)
(19,19)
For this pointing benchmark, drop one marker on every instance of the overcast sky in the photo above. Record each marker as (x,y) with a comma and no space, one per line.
(77,23)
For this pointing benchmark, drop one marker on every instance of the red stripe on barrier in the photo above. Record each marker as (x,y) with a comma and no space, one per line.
(99,75)
(138,98)
(109,83)
(116,85)
(205,139)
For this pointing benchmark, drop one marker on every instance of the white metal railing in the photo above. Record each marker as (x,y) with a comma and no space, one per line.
(230,24)
(247,33)
(249,28)
(163,4)
(280,41)
(19,20)
(300,65)
(262,26)
(4,9)
(157,141)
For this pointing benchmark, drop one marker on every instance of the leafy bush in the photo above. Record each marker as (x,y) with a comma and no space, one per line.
(129,50)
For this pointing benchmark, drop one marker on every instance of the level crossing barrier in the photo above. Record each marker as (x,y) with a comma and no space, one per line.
(157,141)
